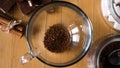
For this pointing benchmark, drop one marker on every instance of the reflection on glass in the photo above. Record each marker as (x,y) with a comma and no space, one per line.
(75,37)
(75,30)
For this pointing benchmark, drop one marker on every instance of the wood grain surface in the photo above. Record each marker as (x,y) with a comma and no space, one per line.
(12,48)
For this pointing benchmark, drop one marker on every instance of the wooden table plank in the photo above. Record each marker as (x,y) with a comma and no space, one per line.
(6,50)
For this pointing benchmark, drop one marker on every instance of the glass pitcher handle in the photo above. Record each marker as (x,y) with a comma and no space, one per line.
(26,58)
(29,55)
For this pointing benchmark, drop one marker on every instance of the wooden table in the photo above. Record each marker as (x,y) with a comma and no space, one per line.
(12,48)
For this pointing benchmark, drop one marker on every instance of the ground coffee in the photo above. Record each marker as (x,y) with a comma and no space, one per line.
(57,38)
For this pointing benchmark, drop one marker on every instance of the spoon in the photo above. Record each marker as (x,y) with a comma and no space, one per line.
(114,57)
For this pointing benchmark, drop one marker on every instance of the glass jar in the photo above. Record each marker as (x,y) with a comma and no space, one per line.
(98,57)
(53,27)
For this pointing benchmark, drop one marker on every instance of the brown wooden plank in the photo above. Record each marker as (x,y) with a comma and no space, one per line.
(6,50)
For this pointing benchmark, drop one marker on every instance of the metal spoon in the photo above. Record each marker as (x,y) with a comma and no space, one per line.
(114,57)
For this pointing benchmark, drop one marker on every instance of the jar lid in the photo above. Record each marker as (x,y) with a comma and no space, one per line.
(111,12)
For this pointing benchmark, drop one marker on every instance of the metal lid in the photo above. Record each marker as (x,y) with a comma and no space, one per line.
(111,12)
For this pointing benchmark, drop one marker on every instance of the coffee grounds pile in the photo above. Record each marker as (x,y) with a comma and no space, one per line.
(57,38)
(104,63)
